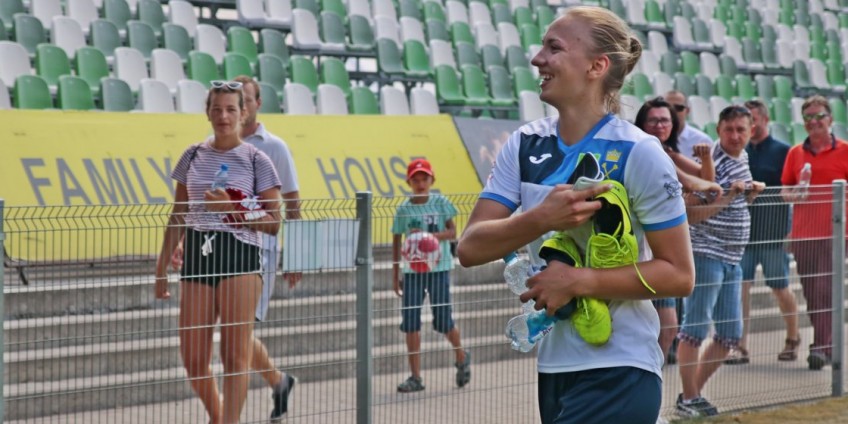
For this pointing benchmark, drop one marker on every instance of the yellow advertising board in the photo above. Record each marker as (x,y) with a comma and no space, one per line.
(52,158)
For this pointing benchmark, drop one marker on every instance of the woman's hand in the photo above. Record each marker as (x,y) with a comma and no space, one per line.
(177,258)
(218,201)
(160,288)
(702,151)
(565,208)
(397,286)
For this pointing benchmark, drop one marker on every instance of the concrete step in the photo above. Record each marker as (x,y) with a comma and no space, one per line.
(59,331)
(148,354)
(122,389)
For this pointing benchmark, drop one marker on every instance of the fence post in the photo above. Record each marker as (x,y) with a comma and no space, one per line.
(364,290)
(838,328)
(2,312)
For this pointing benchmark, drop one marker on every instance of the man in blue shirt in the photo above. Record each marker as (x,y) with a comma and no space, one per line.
(769,228)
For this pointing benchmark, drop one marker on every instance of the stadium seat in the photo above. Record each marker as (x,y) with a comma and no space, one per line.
(331,100)
(182,13)
(210,39)
(279,12)
(434,10)
(441,53)
(455,11)
(523,80)
(411,29)
(448,88)
(251,13)
(29,32)
(45,10)
(516,57)
(309,5)
(699,111)
(303,72)
(298,99)
(522,15)
(478,12)
(273,42)
(642,87)
(361,8)
(8,9)
(333,72)
(240,40)
(530,107)
(704,86)
(201,67)
(491,56)
(416,62)
(83,11)
(485,35)
(781,111)
(466,54)
(745,87)
(270,70)
(305,30)
(818,74)
(501,13)
(151,13)
(14,61)
(799,133)
(74,94)
(461,33)
(544,17)
(190,97)
(90,65)
(363,102)
(141,37)
(5,100)
(337,7)
(801,75)
(360,34)
(500,87)
(629,107)
(166,66)
(530,36)
(751,55)
(130,66)
(333,38)
(385,27)
(411,8)
(837,110)
(105,37)
(724,87)
(31,92)
(389,59)
(422,102)
(508,36)
(685,84)
(116,95)
(384,8)
(392,101)
(154,97)
(67,34)
(670,63)
(662,83)
(51,62)
(474,86)
(118,12)
(235,64)
(270,99)
(728,65)
(690,63)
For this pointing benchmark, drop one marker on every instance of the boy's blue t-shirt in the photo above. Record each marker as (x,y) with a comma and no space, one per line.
(430,216)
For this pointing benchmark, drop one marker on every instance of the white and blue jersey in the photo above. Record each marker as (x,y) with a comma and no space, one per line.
(534,160)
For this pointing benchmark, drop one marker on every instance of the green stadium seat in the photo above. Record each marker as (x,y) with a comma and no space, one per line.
(332,30)
(711,129)
(448,89)
(270,70)
(176,38)
(303,72)
(530,36)
(461,33)
(273,42)
(642,87)
(544,17)
(74,94)
(670,63)
(363,101)
(799,133)
(704,86)
(617,7)
(522,15)
(51,62)
(765,87)
(141,37)
(31,92)
(516,57)
(500,86)
(434,10)
(389,59)
(105,37)
(654,14)
(466,54)
(236,64)
(745,87)
(360,34)
(474,86)
(437,30)
(116,95)
(28,32)
(150,12)
(728,65)
(838,111)
(202,67)
(801,75)
(835,74)
(671,9)
(501,13)
(781,111)
(691,63)
(724,87)
(491,56)
(270,98)
(834,51)
(335,6)
(536,3)
(701,33)
(843,20)
(333,72)
(8,9)
(416,62)
(118,12)
(90,64)
(685,84)
(410,8)
(240,40)
(523,80)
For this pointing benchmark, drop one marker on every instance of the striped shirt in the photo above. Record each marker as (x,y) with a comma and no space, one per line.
(724,235)
(197,174)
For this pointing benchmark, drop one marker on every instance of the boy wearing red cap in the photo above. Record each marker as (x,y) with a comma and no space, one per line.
(426,220)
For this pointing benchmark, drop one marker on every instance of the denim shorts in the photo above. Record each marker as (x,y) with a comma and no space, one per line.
(775,262)
(716,300)
(437,285)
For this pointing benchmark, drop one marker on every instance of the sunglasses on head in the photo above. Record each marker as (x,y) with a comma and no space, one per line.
(232,85)
(815,116)
(679,108)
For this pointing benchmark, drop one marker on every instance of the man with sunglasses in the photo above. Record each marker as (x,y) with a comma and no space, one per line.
(688,135)
(812,229)
(253,132)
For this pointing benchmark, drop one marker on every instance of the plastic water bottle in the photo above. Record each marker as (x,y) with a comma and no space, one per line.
(804,181)
(523,331)
(221,177)
(516,273)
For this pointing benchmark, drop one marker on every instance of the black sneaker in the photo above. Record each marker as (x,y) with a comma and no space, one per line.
(463,371)
(281,399)
(817,360)
(698,407)
(411,384)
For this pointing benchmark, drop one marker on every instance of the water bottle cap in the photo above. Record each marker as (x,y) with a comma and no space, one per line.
(510,257)
(225,167)
(807,165)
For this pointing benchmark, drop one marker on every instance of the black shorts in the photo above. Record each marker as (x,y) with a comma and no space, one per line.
(212,256)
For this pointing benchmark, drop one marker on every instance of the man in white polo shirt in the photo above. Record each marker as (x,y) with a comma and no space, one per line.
(689,136)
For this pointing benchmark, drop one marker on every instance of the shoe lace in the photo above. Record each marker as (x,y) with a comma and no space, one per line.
(607,252)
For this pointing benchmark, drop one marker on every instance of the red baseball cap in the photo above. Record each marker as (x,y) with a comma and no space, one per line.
(419,165)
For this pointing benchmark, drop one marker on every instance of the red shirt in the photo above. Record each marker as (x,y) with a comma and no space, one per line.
(812,217)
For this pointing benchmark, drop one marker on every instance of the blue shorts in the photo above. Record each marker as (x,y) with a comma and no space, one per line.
(437,284)
(717,300)
(601,395)
(775,262)
(666,302)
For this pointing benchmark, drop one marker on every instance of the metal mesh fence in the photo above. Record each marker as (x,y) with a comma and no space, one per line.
(85,340)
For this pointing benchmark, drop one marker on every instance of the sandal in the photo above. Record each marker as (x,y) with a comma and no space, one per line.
(790,350)
(738,356)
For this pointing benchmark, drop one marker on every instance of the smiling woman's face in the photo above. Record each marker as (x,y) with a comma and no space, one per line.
(658,123)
